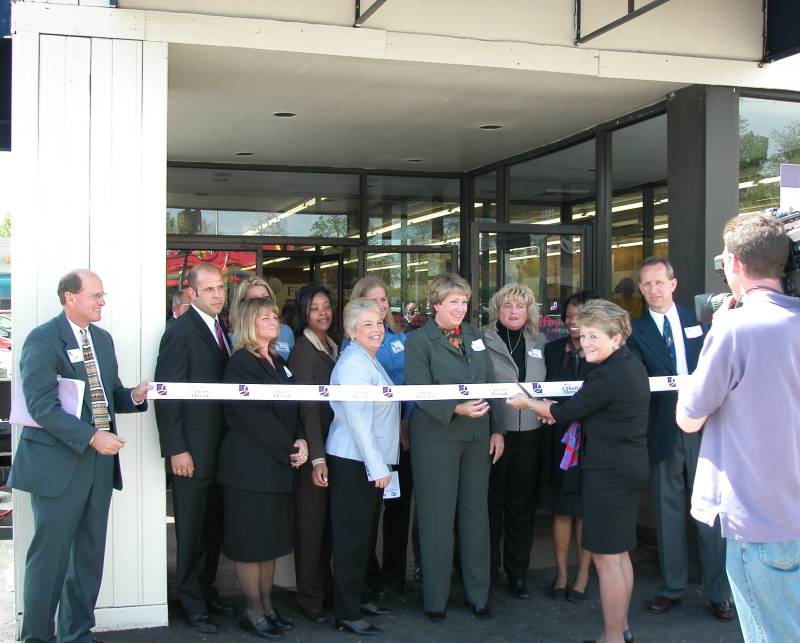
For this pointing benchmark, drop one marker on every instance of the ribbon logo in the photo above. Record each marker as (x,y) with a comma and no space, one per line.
(243,390)
(672,382)
(387,391)
(537,388)
(323,391)
(161,389)
(463,390)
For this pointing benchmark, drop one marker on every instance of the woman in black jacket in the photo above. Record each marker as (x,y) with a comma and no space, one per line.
(612,407)
(264,443)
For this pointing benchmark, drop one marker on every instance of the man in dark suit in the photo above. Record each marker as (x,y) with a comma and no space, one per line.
(194,349)
(668,340)
(69,465)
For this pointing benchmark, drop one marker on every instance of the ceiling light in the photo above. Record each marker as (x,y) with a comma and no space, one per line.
(201,193)
(220,180)
(244,154)
(490,126)
(284,114)
(222,174)
(415,160)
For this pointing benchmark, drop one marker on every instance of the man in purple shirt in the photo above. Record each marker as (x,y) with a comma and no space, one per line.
(745,391)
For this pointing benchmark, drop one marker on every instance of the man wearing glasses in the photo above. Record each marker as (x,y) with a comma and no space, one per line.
(69,464)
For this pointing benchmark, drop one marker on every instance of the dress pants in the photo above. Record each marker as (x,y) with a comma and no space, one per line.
(198,533)
(354,504)
(672,481)
(312,549)
(450,476)
(64,565)
(513,485)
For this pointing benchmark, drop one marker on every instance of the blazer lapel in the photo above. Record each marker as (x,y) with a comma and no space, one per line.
(66,335)
(437,336)
(205,333)
(650,337)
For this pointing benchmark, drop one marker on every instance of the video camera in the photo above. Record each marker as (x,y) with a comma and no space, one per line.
(707,303)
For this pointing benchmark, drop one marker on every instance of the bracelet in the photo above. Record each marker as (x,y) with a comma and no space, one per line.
(91,441)
(317,461)
(530,405)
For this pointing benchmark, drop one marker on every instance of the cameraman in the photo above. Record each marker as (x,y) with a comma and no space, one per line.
(745,390)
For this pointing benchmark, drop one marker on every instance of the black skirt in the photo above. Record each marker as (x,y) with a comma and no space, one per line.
(610,507)
(258,526)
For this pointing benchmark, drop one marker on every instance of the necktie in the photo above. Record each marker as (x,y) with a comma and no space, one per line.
(220,340)
(670,342)
(102,421)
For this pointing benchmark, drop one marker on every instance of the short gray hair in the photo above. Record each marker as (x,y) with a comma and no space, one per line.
(606,316)
(71,282)
(354,308)
(443,285)
(657,261)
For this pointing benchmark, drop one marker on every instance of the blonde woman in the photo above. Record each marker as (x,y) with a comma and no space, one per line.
(516,349)
(255,287)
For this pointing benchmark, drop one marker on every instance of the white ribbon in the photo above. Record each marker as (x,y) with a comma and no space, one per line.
(349,392)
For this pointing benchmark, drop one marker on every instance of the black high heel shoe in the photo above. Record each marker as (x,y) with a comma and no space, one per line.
(276,620)
(627,635)
(261,628)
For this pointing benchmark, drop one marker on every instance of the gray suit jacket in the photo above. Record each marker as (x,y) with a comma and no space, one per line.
(365,431)
(46,457)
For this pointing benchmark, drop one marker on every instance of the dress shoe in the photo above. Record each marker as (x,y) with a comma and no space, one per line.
(574,596)
(276,620)
(662,604)
(201,624)
(436,617)
(722,610)
(317,616)
(370,609)
(357,628)
(482,612)
(218,607)
(261,628)
(626,635)
(519,589)
(558,593)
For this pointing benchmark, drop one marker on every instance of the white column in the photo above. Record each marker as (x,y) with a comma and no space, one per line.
(90,146)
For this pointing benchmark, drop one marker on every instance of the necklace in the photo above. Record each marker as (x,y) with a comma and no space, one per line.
(508,340)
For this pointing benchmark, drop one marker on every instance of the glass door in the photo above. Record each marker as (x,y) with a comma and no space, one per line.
(553,261)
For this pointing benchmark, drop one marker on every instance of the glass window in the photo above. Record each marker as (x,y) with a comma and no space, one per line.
(769,134)
(485,198)
(660,222)
(405,210)
(262,203)
(541,187)
(626,251)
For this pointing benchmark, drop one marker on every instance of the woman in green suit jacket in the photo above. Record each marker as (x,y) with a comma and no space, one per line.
(453,445)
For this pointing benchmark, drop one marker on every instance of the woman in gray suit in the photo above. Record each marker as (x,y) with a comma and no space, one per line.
(516,349)
(364,439)
(453,445)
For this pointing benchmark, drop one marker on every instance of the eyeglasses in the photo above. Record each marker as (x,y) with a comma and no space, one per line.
(97,296)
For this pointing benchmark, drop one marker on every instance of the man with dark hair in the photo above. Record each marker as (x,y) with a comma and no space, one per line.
(194,349)
(668,340)
(744,392)
(69,464)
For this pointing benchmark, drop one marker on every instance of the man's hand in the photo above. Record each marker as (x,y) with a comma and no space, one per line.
(299,459)
(139,394)
(382,483)
(182,465)
(724,308)
(497,445)
(106,443)
(473,408)
(319,476)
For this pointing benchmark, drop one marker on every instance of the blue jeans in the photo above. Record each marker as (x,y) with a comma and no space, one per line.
(765,582)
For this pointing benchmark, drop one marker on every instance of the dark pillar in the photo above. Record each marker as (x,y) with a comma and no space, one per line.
(604,186)
(703,170)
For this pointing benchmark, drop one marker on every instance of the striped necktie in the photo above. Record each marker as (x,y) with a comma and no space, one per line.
(102,421)
(669,340)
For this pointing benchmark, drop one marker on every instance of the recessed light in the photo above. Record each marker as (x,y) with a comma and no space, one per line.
(284,114)
(491,126)
(245,154)
(415,160)
(220,180)
(222,174)
(201,193)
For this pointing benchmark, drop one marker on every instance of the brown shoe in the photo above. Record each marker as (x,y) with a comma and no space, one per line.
(662,604)
(722,610)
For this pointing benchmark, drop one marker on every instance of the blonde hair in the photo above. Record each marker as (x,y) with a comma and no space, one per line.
(240,296)
(442,285)
(353,309)
(606,316)
(244,326)
(363,286)
(509,292)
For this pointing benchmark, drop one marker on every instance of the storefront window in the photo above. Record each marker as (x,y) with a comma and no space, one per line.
(405,210)
(769,134)
(541,187)
(485,198)
(261,203)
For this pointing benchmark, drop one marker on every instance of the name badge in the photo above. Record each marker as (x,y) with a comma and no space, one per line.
(477,345)
(75,355)
(535,352)
(397,346)
(282,347)
(692,332)
(288,372)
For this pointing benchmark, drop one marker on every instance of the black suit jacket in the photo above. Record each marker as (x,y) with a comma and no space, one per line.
(189,353)
(612,408)
(255,452)
(312,366)
(648,345)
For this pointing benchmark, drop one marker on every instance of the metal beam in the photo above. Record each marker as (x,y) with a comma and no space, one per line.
(361,18)
(631,15)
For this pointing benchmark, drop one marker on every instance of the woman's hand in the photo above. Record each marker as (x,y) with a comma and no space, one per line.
(540,407)
(543,411)
(382,483)
(319,476)
(473,408)
(299,459)
(520,401)
(404,435)
(497,445)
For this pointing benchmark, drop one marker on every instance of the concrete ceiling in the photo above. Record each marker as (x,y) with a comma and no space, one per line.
(376,114)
